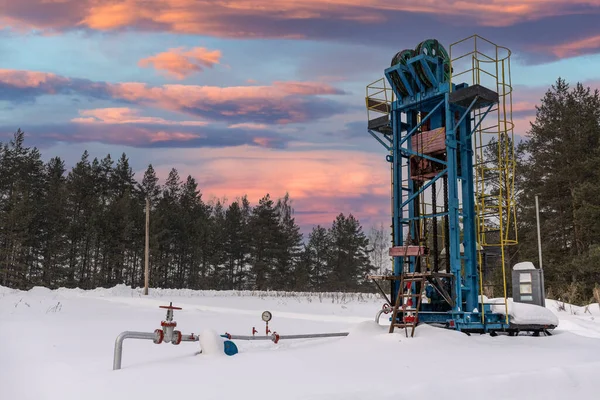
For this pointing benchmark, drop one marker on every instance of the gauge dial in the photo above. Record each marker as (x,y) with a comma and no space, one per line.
(266,316)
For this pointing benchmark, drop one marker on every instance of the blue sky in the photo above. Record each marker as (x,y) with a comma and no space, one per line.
(255,97)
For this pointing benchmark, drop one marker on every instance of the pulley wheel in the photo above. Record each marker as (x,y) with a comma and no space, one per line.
(432,48)
(400,58)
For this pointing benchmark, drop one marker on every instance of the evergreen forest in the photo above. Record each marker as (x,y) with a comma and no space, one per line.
(86,227)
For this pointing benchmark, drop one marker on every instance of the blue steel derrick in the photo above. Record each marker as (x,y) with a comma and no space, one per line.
(427,127)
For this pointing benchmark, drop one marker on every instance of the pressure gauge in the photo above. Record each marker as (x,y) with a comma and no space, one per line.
(266,316)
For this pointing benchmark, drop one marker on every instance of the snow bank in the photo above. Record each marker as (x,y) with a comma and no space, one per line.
(367,328)
(211,343)
(524,314)
(126,291)
(67,354)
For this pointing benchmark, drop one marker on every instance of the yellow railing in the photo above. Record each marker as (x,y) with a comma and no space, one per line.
(489,65)
(379,96)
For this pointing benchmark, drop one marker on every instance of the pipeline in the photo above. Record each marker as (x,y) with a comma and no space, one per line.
(167,334)
(275,337)
(130,335)
(156,337)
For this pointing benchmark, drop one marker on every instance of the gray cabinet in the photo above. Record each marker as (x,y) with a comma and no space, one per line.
(528,284)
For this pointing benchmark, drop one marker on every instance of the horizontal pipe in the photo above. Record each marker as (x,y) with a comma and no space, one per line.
(275,337)
(242,337)
(190,338)
(313,335)
(128,335)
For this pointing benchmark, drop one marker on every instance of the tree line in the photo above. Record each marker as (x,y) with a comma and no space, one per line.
(560,162)
(86,228)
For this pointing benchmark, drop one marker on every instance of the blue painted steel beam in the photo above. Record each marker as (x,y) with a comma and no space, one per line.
(453,203)
(414,73)
(481,119)
(471,282)
(423,120)
(457,122)
(467,111)
(427,216)
(408,153)
(435,178)
(388,148)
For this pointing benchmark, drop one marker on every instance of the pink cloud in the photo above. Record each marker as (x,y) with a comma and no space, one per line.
(304,174)
(280,102)
(180,63)
(248,125)
(132,136)
(227,17)
(125,115)
(322,183)
(574,48)
(32,79)
(278,98)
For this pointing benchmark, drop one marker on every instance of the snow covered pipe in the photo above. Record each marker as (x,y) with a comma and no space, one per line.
(275,337)
(157,337)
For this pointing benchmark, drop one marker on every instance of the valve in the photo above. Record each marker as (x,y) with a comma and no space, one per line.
(266,316)
(166,334)
(386,308)
(254,331)
(168,325)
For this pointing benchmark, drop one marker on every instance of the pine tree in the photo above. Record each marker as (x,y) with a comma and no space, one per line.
(318,258)
(121,217)
(264,225)
(216,247)
(289,246)
(54,222)
(168,231)
(21,186)
(560,165)
(349,259)
(86,228)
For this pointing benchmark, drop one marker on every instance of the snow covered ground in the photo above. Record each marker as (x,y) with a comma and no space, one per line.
(59,345)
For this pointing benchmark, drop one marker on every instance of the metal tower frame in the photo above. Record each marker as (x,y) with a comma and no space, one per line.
(429,127)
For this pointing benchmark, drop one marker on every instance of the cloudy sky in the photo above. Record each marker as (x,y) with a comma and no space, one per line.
(257,96)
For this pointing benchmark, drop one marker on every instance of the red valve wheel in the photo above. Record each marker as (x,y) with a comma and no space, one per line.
(386,308)
(171,307)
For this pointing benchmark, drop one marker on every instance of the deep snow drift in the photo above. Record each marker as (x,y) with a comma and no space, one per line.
(59,345)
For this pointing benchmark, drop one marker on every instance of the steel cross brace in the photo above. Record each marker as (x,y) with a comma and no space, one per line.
(408,135)
(481,119)
(407,152)
(424,60)
(435,178)
(467,111)
(388,148)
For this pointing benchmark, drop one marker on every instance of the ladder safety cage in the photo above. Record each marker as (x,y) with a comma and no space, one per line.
(452,176)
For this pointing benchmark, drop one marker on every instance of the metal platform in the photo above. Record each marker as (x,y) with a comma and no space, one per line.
(465,96)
